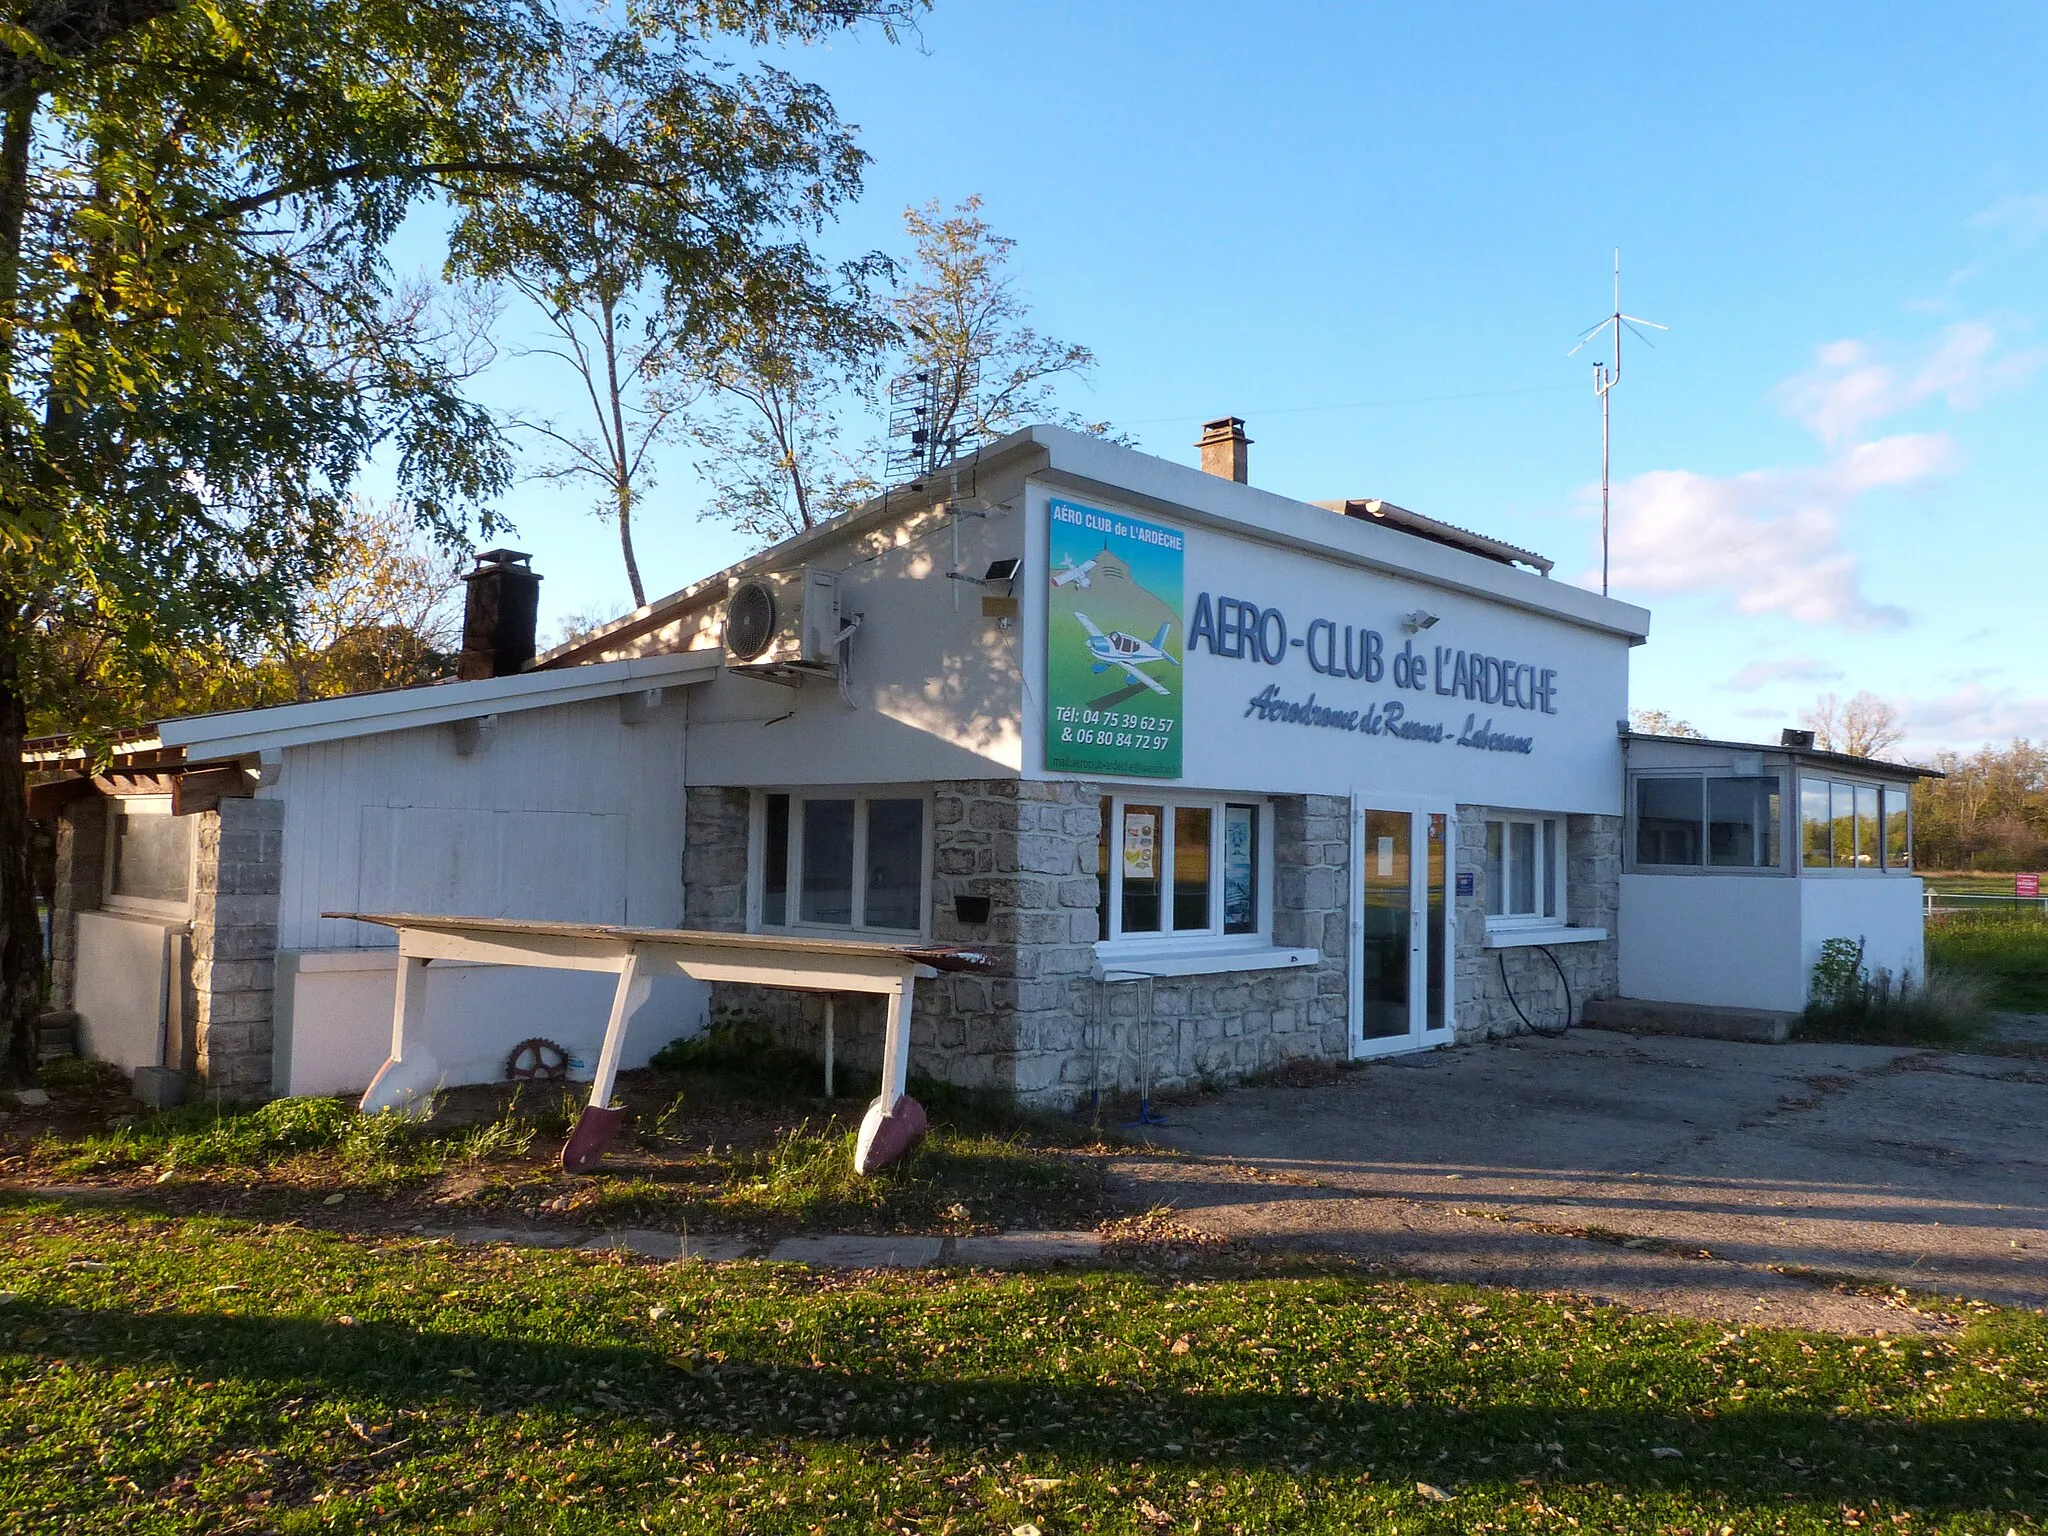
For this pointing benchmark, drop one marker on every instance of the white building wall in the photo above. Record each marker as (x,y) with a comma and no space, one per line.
(1886,912)
(562,813)
(1722,941)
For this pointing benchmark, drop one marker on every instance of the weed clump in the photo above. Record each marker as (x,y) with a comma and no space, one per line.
(1848,1000)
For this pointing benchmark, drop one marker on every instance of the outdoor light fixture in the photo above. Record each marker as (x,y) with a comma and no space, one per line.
(1003,573)
(1416,622)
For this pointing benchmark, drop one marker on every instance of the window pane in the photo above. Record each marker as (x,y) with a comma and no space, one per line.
(1898,827)
(775,861)
(1191,825)
(1102,868)
(1668,819)
(1814,824)
(1240,869)
(152,857)
(1550,870)
(1140,853)
(894,897)
(1496,884)
(1842,818)
(1866,827)
(828,862)
(1742,823)
(1389,903)
(1521,868)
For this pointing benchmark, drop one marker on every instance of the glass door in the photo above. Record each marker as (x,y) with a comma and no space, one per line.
(1401,930)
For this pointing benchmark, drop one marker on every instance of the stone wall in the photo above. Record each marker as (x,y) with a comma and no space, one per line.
(1041,1027)
(81,874)
(1491,982)
(234,945)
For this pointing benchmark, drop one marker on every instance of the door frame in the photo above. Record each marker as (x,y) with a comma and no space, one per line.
(1420,949)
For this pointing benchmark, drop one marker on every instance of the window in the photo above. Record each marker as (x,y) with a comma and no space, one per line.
(1669,816)
(1524,870)
(1181,868)
(1898,827)
(854,859)
(1708,821)
(1855,826)
(149,856)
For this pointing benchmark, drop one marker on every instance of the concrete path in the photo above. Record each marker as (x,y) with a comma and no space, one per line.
(1704,1177)
(828,1250)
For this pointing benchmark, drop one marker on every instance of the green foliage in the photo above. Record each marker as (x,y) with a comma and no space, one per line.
(1849,1002)
(2008,950)
(290,1380)
(1838,977)
(1989,811)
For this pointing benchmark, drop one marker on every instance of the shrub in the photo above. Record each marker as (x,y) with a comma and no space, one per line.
(1847,999)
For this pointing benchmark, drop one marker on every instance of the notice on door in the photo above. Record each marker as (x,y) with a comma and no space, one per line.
(1383,857)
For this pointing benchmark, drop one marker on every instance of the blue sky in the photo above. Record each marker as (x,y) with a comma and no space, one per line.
(1375,232)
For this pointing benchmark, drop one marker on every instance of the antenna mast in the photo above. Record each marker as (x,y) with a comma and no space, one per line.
(1605,377)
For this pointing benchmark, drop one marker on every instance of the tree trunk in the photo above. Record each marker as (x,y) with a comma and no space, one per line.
(21,929)
(625,499)
(21,934)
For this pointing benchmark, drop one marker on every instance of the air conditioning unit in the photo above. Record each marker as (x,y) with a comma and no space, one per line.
(784,619)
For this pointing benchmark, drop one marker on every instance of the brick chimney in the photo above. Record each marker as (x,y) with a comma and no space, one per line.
(1224,446)
(500,615)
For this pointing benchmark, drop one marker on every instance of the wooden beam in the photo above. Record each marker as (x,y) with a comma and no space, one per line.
(203,789)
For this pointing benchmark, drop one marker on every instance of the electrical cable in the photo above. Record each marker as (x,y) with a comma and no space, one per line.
(1557,1033)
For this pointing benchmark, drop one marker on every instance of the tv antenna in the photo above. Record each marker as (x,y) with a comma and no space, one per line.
(1605,377)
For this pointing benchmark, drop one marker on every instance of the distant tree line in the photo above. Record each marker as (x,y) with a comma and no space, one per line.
(1990,812)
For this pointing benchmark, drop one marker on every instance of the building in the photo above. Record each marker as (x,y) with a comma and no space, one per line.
(1221,779)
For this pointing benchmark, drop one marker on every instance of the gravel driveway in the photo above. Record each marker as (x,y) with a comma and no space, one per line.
(1703,1177)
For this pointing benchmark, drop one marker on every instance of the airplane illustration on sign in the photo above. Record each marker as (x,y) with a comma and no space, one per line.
(1117,649)
(1070,574)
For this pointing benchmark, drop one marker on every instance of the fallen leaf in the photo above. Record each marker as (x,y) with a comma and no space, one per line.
(1665,1451)
(1180,1345)
(1026,1529)
(1043,1484)
(463,1371)
(333,1200)
(1433,1493)
(1153,1513)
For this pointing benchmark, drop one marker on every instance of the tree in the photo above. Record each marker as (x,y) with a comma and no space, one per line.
(384,615)
(773,461)
(633,303)
(200,341)
(1656,722)
(1863,727)
(967,326)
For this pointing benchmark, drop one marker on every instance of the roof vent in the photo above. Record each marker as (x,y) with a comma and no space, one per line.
(1801,741)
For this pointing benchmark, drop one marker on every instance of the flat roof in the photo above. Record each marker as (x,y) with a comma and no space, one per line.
(1803,754)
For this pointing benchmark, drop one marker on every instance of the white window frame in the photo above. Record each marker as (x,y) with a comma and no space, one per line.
(860,795)
(1790,849)
(146,805)
(1513,922)
(1186,940)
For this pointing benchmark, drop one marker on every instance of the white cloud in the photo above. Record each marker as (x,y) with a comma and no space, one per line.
(1850,386)
(1769,540)
(2023,214)
(1792,669)
(1973,715)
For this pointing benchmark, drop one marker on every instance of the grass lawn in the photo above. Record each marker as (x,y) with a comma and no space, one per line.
(2009,950)
(186,1374)
(728,1134)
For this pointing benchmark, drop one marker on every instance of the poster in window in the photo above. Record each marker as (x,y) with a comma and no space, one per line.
(1113,643)
(1141,844)
(1240,878)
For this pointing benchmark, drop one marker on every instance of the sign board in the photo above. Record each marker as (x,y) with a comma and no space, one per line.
(2026,885)
(1113,644)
